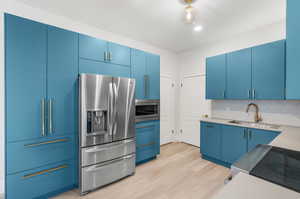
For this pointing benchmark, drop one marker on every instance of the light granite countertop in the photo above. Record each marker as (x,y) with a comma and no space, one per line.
(250,187)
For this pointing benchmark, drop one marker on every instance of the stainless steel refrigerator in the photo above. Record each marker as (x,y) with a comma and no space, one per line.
(107,130)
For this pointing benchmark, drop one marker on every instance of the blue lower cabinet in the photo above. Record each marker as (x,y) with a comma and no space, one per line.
(210,140)
(42,182)
(225,144)
(234,143)
(36,153)
(147,140)
(95,67)
(257,136)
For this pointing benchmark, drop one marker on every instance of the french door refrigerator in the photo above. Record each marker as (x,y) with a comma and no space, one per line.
(107,130)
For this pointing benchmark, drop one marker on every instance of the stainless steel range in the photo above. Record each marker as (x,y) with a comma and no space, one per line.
(107,130)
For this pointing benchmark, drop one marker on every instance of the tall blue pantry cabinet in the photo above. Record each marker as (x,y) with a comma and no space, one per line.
(41,108)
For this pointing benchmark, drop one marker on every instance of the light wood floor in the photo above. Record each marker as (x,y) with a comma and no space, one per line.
(178,173)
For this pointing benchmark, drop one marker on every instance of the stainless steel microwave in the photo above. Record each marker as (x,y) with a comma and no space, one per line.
(146,110)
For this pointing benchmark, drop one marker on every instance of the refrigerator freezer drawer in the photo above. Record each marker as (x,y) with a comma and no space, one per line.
(99,175)
(98,154)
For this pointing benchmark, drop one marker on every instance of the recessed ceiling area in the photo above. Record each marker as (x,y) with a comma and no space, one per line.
(160,22)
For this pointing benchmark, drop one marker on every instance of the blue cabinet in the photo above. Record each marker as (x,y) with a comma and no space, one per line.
(216,77)
(90,66)
(293,50)
(42,182)
(25,71)
(147,140)
(225,144)
(41,66)
(268,69)
(146,71)
(239,74)
(210,140)
(257,136)
(62,74)
(92,48)
(100,50)
(153,77)
(254,73)
(119,54)
(139,73)
(234,143)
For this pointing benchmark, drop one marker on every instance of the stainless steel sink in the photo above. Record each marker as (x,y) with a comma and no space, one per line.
(255,125)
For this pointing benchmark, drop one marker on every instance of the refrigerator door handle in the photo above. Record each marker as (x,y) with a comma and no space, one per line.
(115,110)
(110,109)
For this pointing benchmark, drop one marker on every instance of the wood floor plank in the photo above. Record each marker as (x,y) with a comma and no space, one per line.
(178,173)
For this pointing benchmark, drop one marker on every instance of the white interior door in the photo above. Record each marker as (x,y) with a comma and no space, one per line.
(193,107)
(167,110)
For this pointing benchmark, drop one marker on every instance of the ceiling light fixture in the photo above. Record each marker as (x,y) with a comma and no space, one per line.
(198,28)
(189,15)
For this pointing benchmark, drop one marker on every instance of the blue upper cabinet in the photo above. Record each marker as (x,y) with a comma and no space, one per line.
(211,139)
(90,66)
(216,77)
(234,143)
(293,50)
(268,67)
(92,48)
(26,59)
(239,74)
(146,71)
(153,76)
(139,73)
(118,54)
(256,136)
(62,81)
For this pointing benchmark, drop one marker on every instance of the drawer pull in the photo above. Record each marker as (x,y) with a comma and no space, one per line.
(44,171)
(44,143)
(144,145)
(143,127)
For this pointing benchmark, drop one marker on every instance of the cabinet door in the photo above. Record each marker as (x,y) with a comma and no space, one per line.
(62,81)
(153,76)
(257,136)
(26,58)
(147,140)
(210,141)
(119,54)
(139,73)
(293,50)
(90,66)
(239,74)
(269,71)
(216,77)
(92,48)
(234,143)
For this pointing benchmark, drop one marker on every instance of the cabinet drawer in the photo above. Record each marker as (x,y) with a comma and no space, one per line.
(43,181)
(145,152)
(98,154)
(31,154)
(145,134)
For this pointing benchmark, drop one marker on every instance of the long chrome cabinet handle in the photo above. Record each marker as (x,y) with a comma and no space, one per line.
(253,93)
(45,171)
(143,127)
(249,94)
(144,145)
(110,56)
(105,56)
(250,134)
(145,86)
(43,117)
(50,116)
(47,142)
(245,133)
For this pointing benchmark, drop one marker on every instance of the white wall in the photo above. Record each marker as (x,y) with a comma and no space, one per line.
(192,63)
(169,62)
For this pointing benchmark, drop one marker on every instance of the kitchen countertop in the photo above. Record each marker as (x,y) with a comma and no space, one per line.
(246,186)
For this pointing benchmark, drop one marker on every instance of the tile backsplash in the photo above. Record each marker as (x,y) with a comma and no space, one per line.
(274,112)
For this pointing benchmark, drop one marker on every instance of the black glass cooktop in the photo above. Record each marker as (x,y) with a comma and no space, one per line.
(280,166)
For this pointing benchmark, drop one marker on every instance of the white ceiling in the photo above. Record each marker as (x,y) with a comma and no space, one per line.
(159,22)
